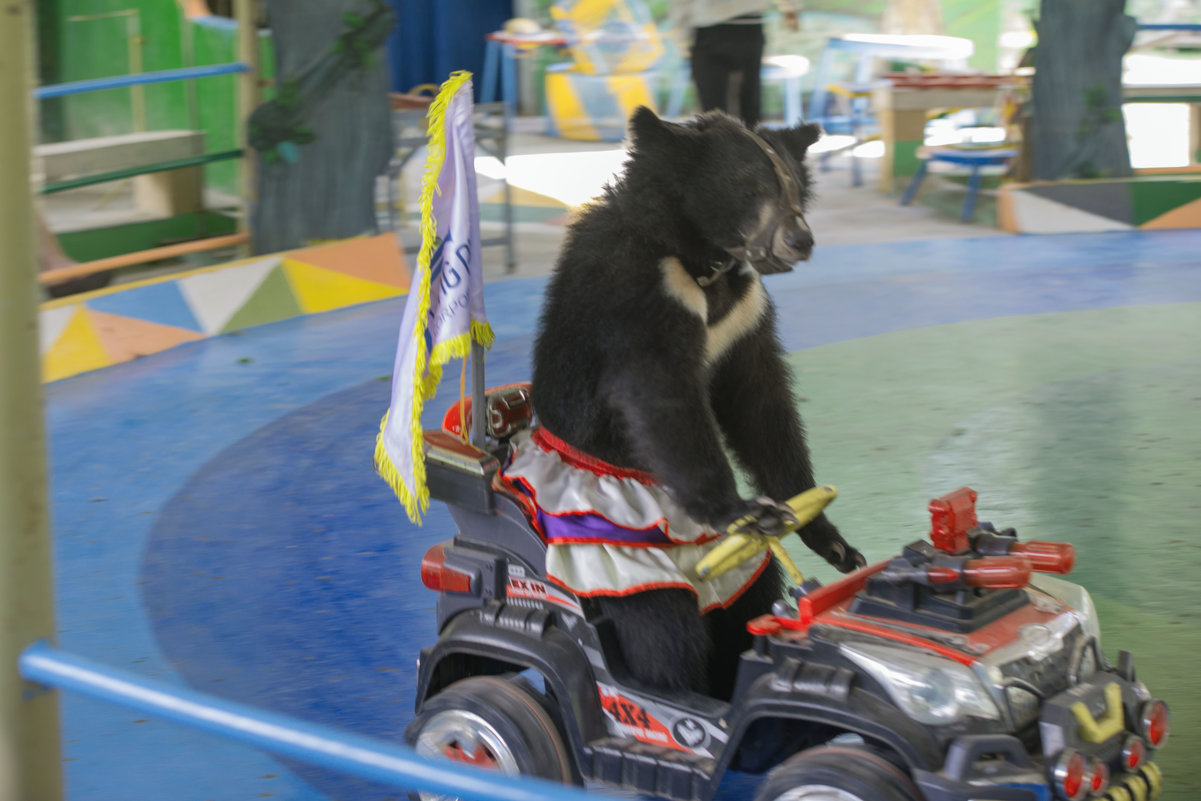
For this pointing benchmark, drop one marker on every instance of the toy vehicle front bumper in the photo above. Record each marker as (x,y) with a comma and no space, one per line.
(1145,783)
(1089,718)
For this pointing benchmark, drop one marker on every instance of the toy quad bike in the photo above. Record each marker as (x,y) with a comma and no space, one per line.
(947,673)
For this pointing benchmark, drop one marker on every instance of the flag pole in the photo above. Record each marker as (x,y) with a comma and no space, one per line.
(479,410)
(479,418)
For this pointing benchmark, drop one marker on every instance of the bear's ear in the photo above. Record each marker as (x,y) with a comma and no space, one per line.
(796,141)
(649,133)
(645,125)
(800,138)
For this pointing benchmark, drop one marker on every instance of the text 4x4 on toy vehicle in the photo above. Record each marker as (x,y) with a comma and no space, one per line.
(948,673)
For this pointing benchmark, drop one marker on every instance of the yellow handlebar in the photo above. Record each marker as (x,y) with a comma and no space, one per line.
(741,546)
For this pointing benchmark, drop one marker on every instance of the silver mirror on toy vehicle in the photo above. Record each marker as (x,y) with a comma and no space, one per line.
(746,539)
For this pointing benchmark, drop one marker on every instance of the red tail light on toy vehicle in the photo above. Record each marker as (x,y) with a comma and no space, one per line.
(1100,778)
(437,576)
(1070,775)
(1133,753)
(1154,722)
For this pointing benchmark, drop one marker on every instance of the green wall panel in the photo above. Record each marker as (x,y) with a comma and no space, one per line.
(100,243)
(83,39)
(1155,196)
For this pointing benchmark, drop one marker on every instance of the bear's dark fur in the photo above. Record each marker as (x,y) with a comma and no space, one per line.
(657,344)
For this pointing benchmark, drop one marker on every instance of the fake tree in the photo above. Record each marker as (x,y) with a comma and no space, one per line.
(1076,128)
(326,135)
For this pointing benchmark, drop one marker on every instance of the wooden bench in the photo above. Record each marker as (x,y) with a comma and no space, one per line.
(164,193)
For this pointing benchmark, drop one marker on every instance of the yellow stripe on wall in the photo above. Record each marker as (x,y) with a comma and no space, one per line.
(631,91)
(566,109)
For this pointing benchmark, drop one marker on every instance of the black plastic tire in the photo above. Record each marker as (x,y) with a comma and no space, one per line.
(494,722)
(838,773)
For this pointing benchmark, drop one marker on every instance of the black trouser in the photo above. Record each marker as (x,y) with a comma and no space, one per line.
(725,65)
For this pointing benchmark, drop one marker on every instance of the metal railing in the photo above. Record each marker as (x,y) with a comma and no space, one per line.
(138,79)
(247,99)
(361,756)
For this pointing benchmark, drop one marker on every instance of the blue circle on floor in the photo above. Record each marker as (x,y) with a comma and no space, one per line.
(300,593)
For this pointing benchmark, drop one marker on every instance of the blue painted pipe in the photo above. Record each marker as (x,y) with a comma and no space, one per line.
(118,81)
(1169,26)
(362,756)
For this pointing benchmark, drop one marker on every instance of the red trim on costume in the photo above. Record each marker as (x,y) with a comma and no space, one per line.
(577,458)
(662,524)
(615,543)
(514,493)
(762,566)
(664,585)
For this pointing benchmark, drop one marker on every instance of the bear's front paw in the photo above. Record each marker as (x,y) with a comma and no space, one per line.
(845,557)
(762,516)
(822,537)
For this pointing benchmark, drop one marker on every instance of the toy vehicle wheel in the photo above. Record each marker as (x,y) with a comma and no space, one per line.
(838,773)
(492,722)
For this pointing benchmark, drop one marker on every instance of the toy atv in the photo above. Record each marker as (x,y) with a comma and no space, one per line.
(947,673)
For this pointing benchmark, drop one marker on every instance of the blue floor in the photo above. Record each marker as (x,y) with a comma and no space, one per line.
(218,522)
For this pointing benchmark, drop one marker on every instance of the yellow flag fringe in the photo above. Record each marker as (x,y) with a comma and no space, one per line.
(460,346)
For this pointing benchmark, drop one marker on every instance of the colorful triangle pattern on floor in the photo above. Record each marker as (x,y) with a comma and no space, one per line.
(98,329)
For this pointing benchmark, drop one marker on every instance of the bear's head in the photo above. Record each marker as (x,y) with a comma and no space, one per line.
(742,192)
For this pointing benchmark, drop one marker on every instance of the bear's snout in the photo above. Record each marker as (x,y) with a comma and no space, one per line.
(799,242)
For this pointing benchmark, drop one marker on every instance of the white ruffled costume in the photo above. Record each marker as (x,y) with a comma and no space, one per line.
(613,531)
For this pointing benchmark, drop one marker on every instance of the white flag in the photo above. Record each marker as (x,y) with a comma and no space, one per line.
(444,312)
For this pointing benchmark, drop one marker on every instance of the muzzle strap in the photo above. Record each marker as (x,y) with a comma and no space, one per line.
(790,187)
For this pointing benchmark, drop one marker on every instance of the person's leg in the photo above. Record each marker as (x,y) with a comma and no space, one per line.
(748,55)
(709,72)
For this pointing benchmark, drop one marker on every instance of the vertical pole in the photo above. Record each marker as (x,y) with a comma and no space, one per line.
(30,760)
(246,15)
(1194,133)
(478,413)
(137,94)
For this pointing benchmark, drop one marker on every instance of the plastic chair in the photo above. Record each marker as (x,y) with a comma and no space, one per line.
(975,159)
(842,107)
(951,52)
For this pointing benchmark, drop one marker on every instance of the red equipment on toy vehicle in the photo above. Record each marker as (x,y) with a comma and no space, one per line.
(963,668)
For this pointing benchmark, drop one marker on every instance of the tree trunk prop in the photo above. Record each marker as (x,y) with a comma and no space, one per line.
(1077,129)
(327,134)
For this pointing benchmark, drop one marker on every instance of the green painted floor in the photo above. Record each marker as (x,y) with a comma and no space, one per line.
(1078,426)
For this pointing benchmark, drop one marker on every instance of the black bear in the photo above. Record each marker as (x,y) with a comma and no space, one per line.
(657,344)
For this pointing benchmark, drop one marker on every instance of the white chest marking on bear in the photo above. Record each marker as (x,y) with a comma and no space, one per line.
(739,321)
(682,286)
